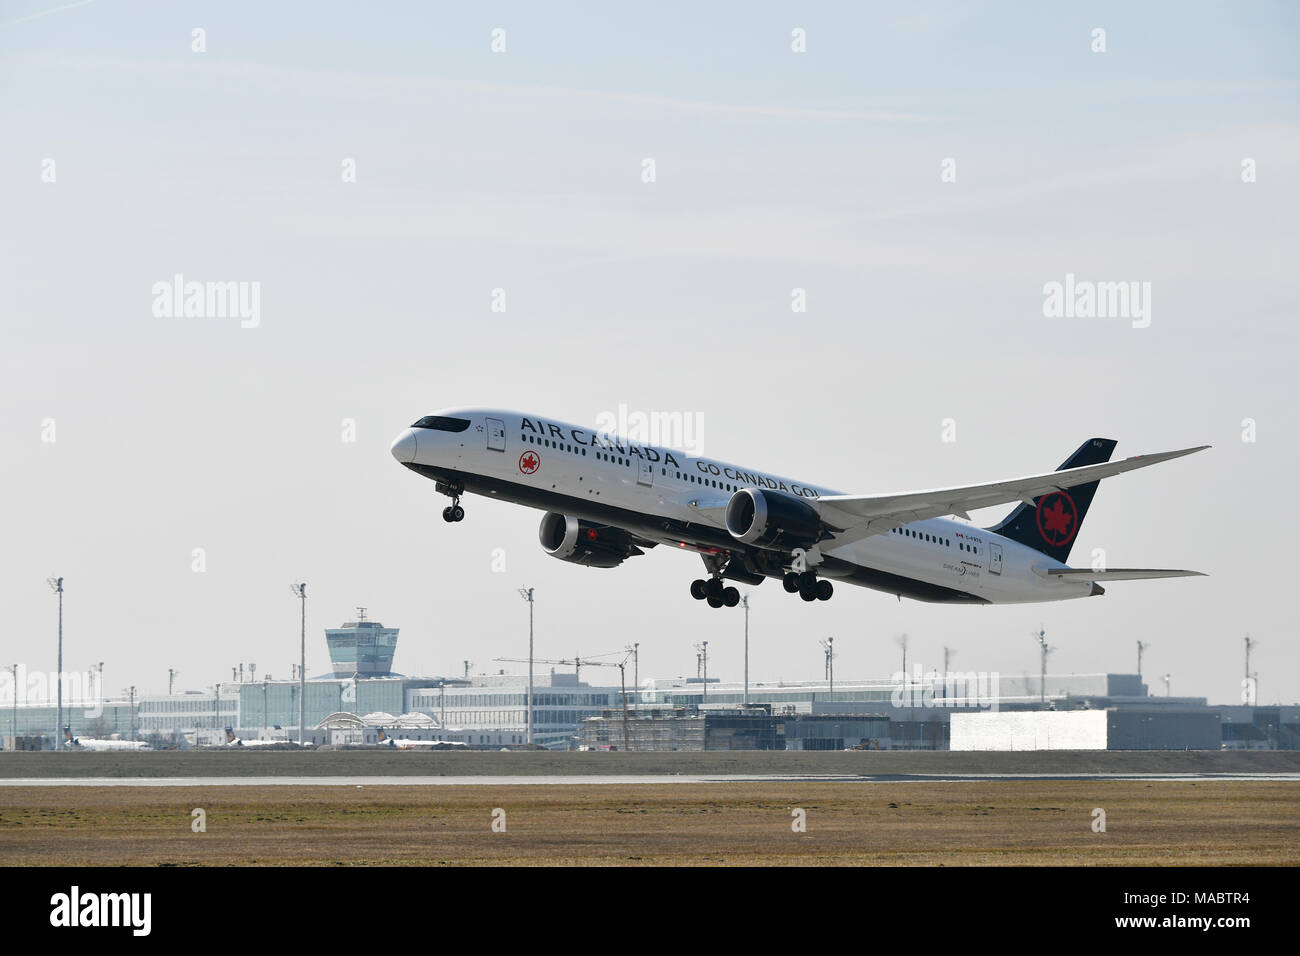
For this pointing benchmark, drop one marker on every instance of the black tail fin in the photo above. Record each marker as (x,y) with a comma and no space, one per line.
(1050,526)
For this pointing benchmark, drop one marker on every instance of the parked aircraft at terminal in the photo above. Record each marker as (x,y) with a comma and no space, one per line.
(607,499)
(405,743)
(108,743)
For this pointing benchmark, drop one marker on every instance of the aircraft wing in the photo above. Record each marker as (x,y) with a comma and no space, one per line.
(860,516)
(1114,574)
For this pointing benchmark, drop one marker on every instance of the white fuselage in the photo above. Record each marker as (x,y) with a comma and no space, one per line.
(568,469)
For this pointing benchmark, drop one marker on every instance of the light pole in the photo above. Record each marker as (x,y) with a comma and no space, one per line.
(56,584)
(828,670)
(947,653)
(703,656)
(527,595)
(14,668)
(636,671)
(744,602)
(300,591)
(1041,638)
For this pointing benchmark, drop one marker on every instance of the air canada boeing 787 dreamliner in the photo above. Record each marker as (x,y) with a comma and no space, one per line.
(608,499)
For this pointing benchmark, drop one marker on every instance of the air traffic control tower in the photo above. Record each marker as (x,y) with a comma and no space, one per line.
(363,648)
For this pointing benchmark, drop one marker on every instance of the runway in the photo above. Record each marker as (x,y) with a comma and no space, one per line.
(627,780)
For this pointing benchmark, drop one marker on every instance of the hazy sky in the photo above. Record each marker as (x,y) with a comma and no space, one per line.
(522,170)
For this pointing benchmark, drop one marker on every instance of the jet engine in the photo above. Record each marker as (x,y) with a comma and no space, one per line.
(582,542)
(770,519)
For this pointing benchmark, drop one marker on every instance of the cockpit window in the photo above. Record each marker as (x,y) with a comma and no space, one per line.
(442,423)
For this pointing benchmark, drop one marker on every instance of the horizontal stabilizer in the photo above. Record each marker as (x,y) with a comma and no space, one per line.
(1115,574)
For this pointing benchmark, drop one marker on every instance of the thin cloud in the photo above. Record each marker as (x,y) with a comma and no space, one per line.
(336,84)
(46,13)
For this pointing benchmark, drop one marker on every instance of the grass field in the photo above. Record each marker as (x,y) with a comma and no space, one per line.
(1001,822)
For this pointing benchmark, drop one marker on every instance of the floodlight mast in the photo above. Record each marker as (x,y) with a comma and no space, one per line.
(300,591)
(828,648)
(56,585)
(1045,648)
(527,595)
(745,603)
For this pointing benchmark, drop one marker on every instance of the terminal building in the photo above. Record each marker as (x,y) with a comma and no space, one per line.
(927,711)
(352,702)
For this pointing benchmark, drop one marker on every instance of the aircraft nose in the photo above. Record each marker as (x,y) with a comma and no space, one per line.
(404,447)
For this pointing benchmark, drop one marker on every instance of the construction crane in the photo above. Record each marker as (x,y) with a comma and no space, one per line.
(579,662)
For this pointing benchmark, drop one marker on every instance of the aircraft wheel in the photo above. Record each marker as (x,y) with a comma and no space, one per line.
(715,600)
(807,579)
(824,590)
(790,582)
(446,515)
(715,590)
(457,513)
(730,597)
(808,593)
(699,589)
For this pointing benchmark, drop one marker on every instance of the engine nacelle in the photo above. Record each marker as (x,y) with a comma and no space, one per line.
(769,519)
(582,542)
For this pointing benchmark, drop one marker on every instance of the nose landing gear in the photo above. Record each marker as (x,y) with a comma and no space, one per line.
(453,512)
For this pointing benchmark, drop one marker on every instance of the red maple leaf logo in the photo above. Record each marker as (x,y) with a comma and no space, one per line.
(1056,519)
(528,462)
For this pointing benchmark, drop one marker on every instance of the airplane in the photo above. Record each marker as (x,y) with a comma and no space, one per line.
(607,499)
(90,743)
(401,743)
(233,741)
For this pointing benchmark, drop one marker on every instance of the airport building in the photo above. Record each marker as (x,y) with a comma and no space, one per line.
(745,728)
(361,692)
(500,702)
(1111,728)
(362,648)
(111,718)
(1260,728)
(920,713)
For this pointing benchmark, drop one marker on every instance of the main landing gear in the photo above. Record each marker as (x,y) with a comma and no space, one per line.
(453,512)
(807,585)
(714,592)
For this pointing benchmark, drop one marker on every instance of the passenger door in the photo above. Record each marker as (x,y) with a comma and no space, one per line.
(496,434)
(645,474)
(995,559)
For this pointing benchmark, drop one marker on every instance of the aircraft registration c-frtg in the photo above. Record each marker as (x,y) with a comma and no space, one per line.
(607,499)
